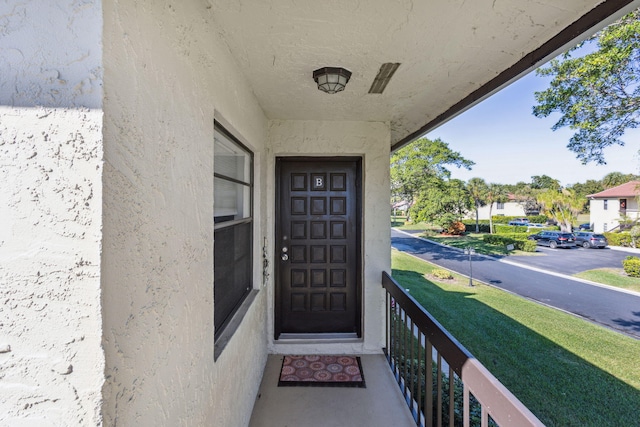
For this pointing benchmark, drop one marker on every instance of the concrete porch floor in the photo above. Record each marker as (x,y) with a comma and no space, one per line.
(379,404)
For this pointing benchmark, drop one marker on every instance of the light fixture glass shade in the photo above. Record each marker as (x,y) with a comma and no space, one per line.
(331,79)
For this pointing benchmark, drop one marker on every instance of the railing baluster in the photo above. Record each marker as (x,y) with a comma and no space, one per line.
(439,382)
(387,314)
(419,376)
(428,351)
(465,405)
(394,345)
(484,420)
(452,397)
(412,367)
(404,352)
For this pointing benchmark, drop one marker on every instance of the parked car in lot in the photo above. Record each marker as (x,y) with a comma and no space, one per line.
(554,239)
(519,221)
(587,239)
(534,225)
(586,226)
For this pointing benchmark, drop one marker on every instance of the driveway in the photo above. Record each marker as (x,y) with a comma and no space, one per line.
(615,309)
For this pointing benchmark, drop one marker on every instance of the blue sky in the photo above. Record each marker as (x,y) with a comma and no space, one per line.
(509,144)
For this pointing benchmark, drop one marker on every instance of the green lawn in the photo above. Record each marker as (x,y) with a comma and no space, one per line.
(612,277)
(476,242)
(569,372)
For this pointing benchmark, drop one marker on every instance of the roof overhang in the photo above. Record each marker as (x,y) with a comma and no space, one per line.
(452,54)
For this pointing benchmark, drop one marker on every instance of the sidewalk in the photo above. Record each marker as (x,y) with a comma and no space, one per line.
(635,251)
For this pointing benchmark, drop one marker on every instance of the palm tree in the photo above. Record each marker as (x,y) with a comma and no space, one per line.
(477,189)
(614,179)
(563,206)
(496,193)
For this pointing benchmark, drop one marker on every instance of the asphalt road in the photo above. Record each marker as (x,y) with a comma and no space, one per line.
(574,260)
(614,309)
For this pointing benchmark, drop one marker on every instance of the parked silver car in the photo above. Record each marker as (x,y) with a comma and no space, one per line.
(588,239)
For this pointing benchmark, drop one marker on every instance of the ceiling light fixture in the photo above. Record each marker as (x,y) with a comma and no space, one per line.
(331,79)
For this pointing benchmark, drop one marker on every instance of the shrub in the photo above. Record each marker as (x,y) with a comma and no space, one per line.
(619,239)
(497,239)
(502,219)
(516,239)
(631,265)
(528,245)
(483,226)
(635,236)
(503,229)
(538,219)
(456,228)
(442,274)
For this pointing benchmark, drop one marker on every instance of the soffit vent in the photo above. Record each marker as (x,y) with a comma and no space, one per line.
(384,75)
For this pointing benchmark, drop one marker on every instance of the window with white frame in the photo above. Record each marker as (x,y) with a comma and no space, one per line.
(233,225)
(606,204)
(500,205)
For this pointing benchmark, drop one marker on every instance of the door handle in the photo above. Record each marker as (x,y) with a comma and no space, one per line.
(284,256)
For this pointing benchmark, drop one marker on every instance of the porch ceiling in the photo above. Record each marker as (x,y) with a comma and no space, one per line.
(453,52)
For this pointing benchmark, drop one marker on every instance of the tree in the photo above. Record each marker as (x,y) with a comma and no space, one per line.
(477,189)
(563,206)
(614,179)
(591,186)
(597,94)
(541,182)
(421,164)
(582,190)
(442,204)
(496,193)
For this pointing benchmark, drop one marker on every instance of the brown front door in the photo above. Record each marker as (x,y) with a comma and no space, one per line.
(318,202)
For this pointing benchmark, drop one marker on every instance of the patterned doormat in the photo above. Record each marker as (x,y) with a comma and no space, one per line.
(321,371)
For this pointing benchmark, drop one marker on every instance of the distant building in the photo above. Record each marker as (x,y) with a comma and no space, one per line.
(512,207)
(608,207)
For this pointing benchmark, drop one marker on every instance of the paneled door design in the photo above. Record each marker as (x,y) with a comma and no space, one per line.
(318,221)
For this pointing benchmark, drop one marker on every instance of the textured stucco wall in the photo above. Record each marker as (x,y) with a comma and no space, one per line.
(510,209)
(51,361)
(599,216)
(371,141)
(166,78)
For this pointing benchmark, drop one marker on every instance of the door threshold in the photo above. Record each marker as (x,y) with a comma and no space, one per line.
(319,337)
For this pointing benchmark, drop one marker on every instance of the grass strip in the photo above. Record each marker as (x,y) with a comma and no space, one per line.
(569,372)
(612,277)
(476,242)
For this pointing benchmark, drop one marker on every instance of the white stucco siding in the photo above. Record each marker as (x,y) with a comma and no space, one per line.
(603,220)
(509,209)
(166,78)
(371,141)
(51,361)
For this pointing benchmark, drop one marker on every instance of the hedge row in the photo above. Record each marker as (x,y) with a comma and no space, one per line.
(518,242)
(483,227)
(619,239)
(536,219)
(504,229)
